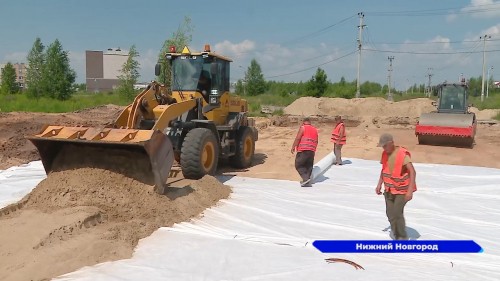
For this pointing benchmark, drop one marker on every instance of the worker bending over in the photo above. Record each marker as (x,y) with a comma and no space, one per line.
(305,144)
(398,177)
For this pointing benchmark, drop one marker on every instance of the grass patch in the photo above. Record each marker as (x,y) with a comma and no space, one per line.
(269,99)
(21,102)
(492,102)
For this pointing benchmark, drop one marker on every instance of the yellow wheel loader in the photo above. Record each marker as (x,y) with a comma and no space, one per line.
(195,122)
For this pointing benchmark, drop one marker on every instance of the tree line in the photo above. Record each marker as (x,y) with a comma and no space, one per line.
(318,85)
(49,75)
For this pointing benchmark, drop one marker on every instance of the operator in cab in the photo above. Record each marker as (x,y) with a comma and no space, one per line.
(204,84)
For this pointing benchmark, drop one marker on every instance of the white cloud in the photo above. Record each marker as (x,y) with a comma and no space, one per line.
(15,57)
(483,8)
(451,18)
(77,62)
(147,61)
(493,31)
(240,49)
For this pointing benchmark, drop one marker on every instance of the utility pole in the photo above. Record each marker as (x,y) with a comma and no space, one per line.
(488,82)
(361,26)
(389,94)
(429,75)
(484,38)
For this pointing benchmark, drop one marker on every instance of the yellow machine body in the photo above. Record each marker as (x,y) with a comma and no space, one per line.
(140,142)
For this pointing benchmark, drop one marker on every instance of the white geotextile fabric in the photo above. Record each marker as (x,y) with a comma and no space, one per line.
(265,229)
(16,182)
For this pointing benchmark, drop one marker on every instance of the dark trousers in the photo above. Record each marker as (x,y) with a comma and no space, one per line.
(304,162)
(394,208)
(337,149)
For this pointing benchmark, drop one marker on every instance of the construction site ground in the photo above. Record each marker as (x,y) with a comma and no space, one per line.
(58,227)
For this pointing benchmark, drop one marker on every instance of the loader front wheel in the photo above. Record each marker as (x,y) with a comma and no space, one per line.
(245,148)
(199,154)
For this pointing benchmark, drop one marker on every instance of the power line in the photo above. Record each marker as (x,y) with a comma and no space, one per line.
(429,87)
(361,26)
(318,31)
(474,48)
(323,55)
(312,67)
(430,53)
(438,12)
(429,43)
(300,38)
(389,84)
(484,38)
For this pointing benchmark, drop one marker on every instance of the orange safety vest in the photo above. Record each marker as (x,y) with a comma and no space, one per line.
(336,134)
(309,139)
(398,181)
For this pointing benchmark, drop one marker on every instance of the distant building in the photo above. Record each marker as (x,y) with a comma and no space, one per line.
(20,73)
(103,69)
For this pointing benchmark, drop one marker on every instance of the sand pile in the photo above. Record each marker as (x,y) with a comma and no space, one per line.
(485,114)
(86,216)
(373,110)
(15,149)
(359,107)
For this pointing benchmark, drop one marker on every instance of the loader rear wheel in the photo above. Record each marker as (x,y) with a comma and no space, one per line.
(245,148)
(199,154)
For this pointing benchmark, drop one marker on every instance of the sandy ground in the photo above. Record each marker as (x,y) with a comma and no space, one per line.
(274,160)
(86,216)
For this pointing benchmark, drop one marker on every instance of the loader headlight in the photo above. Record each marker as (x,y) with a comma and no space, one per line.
(214,97)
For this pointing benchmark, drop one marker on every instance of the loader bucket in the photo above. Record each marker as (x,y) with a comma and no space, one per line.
(144,155)
(447,129)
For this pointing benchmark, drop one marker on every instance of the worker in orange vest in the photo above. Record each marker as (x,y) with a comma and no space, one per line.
(338,139)
(398,176)
(305,144)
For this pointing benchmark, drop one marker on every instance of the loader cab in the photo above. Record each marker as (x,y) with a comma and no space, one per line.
(205,72)
(452,98)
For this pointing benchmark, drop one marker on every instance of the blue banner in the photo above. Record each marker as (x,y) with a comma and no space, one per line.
(397,246)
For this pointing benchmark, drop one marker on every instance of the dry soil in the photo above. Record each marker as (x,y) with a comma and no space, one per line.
(84,216)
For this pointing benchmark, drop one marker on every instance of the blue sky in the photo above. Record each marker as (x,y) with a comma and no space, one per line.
(281,35)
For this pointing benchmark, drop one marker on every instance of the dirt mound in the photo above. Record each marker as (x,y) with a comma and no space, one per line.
(485,114)
(15,149)
(364,107)
(86,216)
(372,111)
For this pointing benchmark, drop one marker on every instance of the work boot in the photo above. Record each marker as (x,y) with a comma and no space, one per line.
(306,183)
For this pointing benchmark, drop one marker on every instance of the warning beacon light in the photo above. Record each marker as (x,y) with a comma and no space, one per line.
(207,48)
(172,49)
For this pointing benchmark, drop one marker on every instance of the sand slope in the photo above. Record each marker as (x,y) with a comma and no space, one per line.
(86,216)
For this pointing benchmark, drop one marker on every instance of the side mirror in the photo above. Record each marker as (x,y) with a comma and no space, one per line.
(157,69)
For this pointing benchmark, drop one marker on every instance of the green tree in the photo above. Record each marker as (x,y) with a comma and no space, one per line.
(9,84)
(180,38)
(370,88)
(36,60)
(129,74)
(342,81)
(255,83)
(318,84)
(57,75)
(239,88)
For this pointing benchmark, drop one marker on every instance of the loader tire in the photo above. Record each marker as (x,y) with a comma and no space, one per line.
(199,154)
(245,148)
